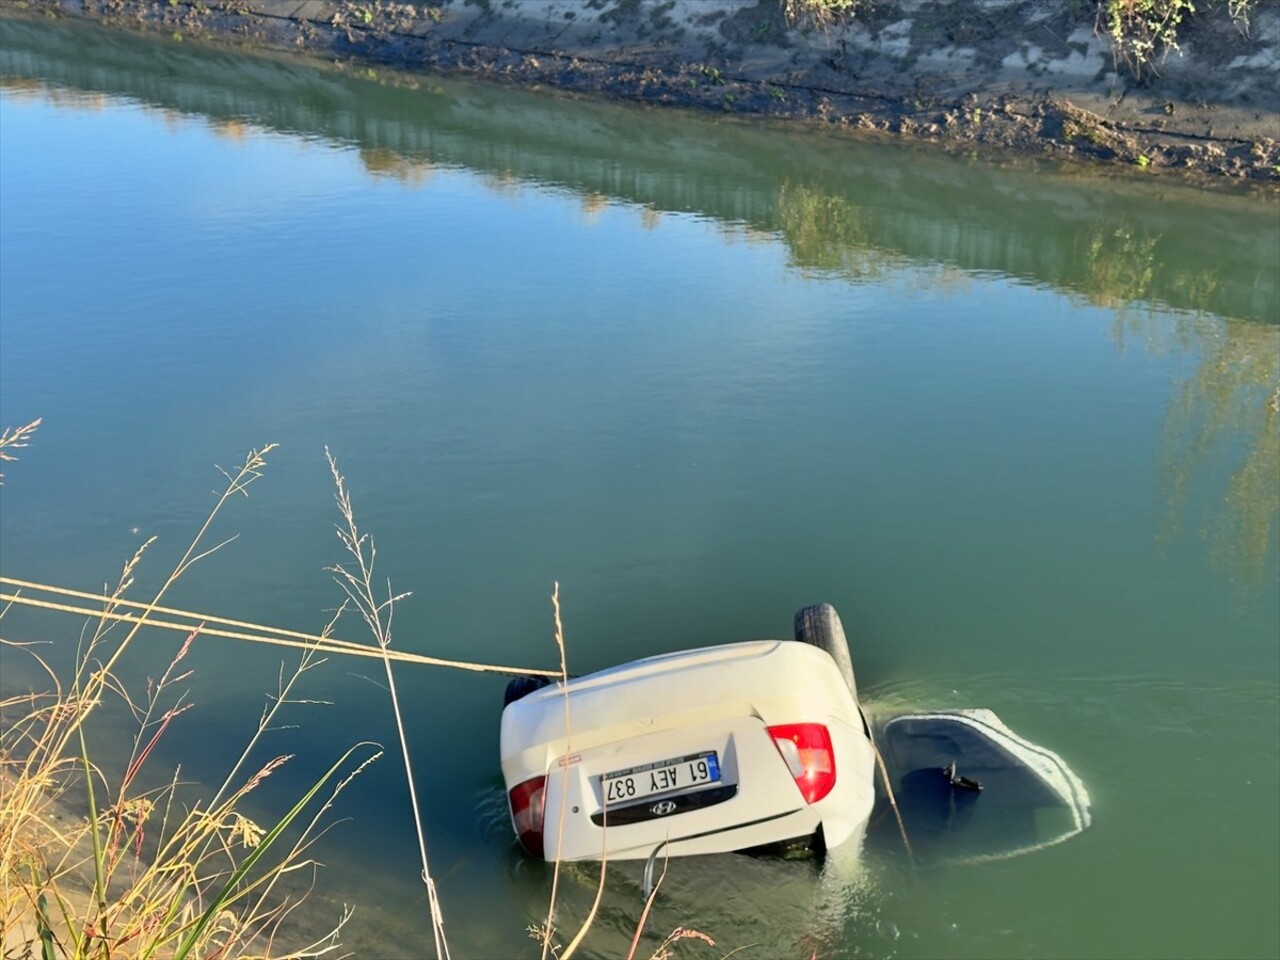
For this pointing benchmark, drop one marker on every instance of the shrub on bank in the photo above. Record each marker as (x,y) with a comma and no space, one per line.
(1141,32)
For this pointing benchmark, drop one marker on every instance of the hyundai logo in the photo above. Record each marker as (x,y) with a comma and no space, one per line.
(662,808)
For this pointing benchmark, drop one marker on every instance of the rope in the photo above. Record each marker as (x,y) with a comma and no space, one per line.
(121,602)
(283,638)
(888,789)
(893,802)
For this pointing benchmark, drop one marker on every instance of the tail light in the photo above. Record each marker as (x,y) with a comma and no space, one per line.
(806,748)
(528,805)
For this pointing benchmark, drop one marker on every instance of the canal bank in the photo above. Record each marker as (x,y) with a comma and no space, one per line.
(1015,76)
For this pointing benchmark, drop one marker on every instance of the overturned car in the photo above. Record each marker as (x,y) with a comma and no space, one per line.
(759,745)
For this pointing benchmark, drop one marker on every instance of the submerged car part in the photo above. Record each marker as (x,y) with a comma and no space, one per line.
(968,787)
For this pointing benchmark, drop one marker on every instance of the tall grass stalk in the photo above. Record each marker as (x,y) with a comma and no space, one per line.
(648,905)
(16,438)
(549,927)
(377,614)
(564,793)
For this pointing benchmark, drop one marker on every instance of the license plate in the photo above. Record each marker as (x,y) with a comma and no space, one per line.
(636,783)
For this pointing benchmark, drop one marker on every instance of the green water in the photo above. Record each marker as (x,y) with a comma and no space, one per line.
(1011,422)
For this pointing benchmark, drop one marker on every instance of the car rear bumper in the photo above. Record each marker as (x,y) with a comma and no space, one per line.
(773,829)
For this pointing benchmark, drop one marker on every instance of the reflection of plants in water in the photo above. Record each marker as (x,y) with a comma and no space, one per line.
(1235,393)
(736,231)
(22,89)
(233,130)
(1123,266)
(504,183)
(1119,266)
(940,279)
(1232,399)
(1231,402)
(593,204)
(1125,269)
(383,162)
(824,232)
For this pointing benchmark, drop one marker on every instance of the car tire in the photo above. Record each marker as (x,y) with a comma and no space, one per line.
(820,626)
(521,687)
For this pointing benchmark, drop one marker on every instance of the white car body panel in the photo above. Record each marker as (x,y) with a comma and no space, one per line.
(677,705)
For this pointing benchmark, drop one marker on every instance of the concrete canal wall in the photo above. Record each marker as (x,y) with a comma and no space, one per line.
(1028,75)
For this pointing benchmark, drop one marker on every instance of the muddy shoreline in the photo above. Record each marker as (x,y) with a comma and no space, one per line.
(745,62)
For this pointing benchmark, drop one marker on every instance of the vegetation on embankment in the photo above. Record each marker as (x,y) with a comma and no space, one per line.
(1141,33)
(1151,84)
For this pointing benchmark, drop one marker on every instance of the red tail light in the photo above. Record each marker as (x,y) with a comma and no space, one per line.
(528,806)
(806,748)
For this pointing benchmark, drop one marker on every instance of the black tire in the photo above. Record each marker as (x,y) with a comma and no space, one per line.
(521,687)
(820,626)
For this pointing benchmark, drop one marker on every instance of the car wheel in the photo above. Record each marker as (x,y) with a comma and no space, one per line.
(522,687)
(820,626)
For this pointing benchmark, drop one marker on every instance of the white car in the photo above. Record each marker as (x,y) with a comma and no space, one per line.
(714,750)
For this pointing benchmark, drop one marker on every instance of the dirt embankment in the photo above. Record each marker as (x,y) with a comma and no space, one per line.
(1021,75)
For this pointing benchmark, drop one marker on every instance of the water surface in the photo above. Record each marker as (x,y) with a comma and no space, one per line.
(1013,423)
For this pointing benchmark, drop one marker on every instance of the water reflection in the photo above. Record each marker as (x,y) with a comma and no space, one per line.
(840,206)
(825,233)
(1233,398)
(844,209)
(1229,408)
(381,162)
(775,906)
(766,906)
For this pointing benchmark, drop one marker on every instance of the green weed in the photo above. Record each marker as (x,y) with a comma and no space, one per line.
(1143,32)
(821,13)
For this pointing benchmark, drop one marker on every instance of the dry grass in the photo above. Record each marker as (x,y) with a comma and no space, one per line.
(811,14)
(15,439)
(146,872)
(377,614)
(94,863)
